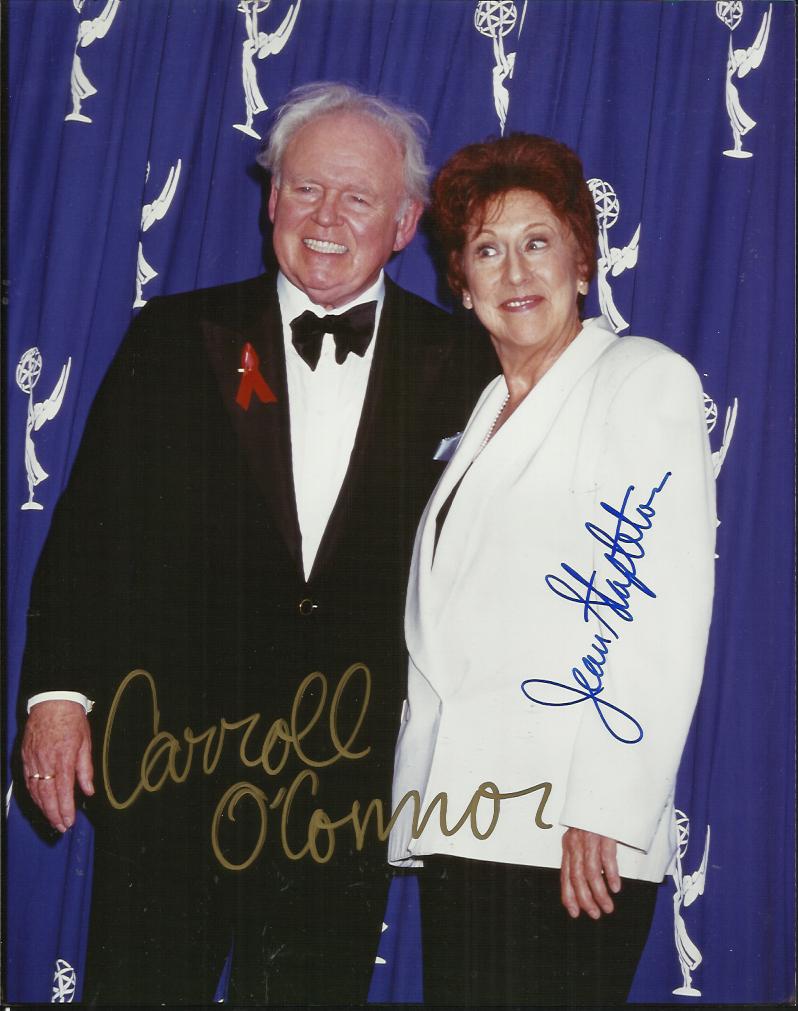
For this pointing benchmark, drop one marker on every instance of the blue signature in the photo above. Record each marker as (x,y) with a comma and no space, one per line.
(624,550)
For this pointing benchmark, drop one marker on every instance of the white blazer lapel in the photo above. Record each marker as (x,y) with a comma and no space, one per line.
(477,427)
(518,440)
(509,451)
(422,591)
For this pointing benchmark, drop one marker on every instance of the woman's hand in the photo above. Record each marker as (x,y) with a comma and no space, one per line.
(589,865)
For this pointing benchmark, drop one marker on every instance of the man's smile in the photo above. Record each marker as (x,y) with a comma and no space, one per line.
(320,246)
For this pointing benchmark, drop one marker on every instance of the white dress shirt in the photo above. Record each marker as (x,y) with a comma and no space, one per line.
(324,407)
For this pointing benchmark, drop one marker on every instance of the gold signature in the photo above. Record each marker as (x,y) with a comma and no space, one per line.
(161,761)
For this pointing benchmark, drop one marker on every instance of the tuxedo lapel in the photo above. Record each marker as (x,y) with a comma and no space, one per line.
(363,448)
(262,429)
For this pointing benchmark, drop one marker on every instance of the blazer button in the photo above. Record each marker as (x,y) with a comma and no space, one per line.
(307,606)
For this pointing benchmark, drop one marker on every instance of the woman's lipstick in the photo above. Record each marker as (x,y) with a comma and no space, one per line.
(523,303)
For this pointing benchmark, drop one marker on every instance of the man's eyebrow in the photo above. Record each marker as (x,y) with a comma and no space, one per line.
(363,186)
(304,180)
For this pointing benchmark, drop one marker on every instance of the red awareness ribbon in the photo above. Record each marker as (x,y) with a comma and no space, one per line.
(252,381)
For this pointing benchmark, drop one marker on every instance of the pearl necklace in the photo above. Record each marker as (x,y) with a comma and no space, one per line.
(494,423)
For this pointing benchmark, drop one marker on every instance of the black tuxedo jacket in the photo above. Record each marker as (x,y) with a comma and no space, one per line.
(176,550)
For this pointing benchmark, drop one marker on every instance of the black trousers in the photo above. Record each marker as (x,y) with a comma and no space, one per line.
(498,934)
(307,934)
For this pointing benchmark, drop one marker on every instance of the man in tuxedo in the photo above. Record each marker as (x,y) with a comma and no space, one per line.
(225,577)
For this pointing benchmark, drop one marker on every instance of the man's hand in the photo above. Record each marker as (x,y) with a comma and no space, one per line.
(56,746)
(589,865)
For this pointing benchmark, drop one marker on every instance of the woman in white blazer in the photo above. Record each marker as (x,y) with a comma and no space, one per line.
(558,611)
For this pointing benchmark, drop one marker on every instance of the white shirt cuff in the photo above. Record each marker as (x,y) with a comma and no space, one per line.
(87,704)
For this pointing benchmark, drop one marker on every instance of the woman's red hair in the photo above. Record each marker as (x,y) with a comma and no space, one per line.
(477,175)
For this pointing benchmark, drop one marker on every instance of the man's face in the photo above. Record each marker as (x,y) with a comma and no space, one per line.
(336,208)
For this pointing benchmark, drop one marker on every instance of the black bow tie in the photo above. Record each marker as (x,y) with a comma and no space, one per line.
(352,331)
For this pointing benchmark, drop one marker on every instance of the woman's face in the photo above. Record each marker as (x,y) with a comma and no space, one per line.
(522,269)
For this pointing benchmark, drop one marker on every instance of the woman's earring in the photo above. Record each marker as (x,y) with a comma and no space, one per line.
(582,287)
(467,300)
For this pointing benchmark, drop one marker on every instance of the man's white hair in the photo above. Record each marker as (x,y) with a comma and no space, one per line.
(312,101)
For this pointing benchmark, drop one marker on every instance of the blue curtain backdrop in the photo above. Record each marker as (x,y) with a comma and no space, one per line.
(132,131)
